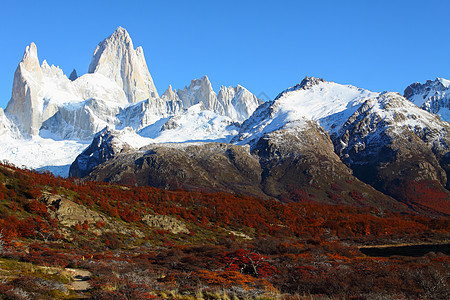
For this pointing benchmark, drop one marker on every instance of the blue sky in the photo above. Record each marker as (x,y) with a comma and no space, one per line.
(265,46)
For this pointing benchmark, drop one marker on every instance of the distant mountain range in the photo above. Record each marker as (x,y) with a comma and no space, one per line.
(316,141)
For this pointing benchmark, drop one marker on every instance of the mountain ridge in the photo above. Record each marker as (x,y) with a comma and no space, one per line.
(312,135)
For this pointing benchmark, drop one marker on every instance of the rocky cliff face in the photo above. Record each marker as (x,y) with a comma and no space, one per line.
(40,92)
(148,112)
(106,145)
(389,142)
(432,96)
(116,59)
(7,128)
(237,103)
(204,166)
(73,76)
(25,105)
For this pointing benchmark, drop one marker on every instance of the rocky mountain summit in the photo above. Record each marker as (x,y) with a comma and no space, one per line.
(390,143)
(116,59)
(432,96)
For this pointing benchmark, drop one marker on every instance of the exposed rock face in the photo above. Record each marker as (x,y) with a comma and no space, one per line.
(205,166)
(40,92)
(170,95)
(299,163)
(69,213)
(104,146)
(82,122)
(389,141)
(305,84)
(73,76)
(297,155)
(24,104)
(199,91)
(165,223)
(6,126)
(148,112)
(117,59)
(432,96)
(236,103)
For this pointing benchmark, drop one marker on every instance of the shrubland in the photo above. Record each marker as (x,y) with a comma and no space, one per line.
(234,247)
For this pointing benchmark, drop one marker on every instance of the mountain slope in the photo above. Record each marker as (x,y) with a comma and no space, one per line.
(295,163)
(328,103)
(393,145)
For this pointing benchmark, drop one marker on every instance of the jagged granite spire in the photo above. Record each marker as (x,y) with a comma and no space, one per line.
(116,58)
(235,102)
(170,95)
(73,76)
(23,104)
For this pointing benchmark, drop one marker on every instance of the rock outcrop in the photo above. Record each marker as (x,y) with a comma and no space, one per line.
(432,96)
(116,59)
(69,213)
(168,223)
(73,76)
(390,143)
(105,146)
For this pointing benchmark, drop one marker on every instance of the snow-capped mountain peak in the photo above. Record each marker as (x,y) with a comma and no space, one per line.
(306,83)
(328,103)
(444,82)
(116,58)
(237,103)
(170,95)
(30,59)
(432,96)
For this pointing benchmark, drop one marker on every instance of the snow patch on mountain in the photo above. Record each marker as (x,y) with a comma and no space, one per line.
(195,124)
(41,153)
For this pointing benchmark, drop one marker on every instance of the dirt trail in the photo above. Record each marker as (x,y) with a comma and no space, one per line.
(81,280)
